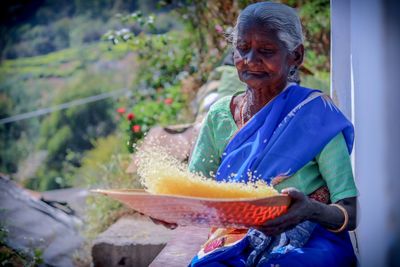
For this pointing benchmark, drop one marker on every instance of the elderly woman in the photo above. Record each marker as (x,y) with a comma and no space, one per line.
(290,136)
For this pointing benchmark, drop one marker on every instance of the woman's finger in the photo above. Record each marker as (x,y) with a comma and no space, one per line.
(288,189)
(164,223)
(288,217)
(272,231)
(294,193)
(276,229)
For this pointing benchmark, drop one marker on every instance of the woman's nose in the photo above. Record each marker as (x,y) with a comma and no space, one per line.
(252,57)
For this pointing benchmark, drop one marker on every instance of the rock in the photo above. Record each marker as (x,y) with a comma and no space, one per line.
(74,197)
(133,240)
(34,226)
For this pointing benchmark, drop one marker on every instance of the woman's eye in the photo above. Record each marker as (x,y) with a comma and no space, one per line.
(266,51)
(242,48)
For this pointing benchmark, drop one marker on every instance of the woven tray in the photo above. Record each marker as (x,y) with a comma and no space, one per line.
(203,212)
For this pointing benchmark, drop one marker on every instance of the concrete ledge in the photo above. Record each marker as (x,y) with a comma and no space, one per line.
(182,247)
(132,241)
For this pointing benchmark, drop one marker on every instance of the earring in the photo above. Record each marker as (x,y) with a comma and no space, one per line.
(292,70)
(245,61)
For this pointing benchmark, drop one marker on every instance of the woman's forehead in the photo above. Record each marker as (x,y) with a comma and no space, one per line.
(255,24)
(257,31)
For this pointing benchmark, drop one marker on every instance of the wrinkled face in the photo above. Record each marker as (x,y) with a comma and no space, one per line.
(262,60)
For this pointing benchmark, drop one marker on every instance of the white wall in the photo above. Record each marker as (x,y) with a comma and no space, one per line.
(359,87)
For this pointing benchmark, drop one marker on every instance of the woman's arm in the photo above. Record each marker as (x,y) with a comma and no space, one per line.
(332,217)
(204,158)
(303,208)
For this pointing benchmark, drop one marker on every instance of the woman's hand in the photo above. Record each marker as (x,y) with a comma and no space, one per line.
(300,210)
(163,223)
(168,225)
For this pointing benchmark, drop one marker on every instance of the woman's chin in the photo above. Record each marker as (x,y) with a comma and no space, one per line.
(258,83)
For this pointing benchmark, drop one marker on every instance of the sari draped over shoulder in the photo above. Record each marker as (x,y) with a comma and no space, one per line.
(277,142)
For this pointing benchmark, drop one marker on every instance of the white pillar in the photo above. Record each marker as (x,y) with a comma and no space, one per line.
(392,107)
(358,87)
(367,53)
(340,56)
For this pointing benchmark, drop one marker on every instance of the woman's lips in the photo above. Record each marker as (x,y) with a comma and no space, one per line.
(255,73)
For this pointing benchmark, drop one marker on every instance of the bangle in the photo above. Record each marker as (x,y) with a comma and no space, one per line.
(346,218)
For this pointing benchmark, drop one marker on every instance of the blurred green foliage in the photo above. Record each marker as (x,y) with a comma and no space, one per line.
(84,68)
(71,131)
(104,167)
(36,27)
(165,110)
(27,84)
(60,64)
(164,60)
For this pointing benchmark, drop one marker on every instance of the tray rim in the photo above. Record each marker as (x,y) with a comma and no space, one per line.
(143,192)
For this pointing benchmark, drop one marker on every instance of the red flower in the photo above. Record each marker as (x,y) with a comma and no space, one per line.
(219,28)
(168,101)
(121,110)
(130,116)
(135,128)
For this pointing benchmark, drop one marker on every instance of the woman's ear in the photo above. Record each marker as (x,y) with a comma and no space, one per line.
(298,55)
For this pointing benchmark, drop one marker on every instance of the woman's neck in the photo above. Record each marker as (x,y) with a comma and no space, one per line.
(257,98)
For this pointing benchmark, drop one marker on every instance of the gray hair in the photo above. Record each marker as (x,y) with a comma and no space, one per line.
(278,17)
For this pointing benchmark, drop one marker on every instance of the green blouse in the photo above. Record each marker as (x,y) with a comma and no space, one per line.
(331,167)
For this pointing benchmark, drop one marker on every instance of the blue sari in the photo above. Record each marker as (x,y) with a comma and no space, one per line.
(278,141)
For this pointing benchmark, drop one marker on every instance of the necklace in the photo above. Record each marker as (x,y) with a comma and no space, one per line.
(244,101)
